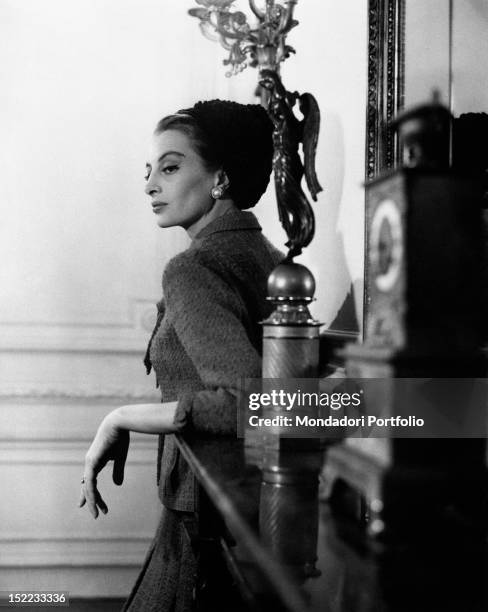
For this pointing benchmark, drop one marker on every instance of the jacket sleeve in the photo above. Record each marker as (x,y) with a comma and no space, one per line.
(207,316)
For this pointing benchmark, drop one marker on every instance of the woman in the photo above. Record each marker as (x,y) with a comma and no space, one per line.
(207,165)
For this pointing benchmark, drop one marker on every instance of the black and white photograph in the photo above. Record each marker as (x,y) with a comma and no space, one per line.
(243,325)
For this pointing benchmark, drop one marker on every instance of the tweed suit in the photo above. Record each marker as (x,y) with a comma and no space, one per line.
(207,339)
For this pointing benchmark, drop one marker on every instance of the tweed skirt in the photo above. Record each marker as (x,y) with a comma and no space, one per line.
(168,577)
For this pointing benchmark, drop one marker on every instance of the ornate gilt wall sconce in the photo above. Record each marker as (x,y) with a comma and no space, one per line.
(262,45)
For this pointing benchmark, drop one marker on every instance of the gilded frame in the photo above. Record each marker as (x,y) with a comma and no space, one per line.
(385,97)
(386,76)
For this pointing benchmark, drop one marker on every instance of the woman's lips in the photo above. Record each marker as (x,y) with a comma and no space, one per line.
(157,206)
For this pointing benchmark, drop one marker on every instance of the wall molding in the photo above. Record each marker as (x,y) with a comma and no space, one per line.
(86,582)
(67,391)
(115,551)
(42,426)
(130,336)
(67,452)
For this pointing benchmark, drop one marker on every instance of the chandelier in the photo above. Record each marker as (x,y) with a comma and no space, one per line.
(258,44)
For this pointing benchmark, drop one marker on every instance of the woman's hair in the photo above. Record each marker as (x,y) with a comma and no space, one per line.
(234,137)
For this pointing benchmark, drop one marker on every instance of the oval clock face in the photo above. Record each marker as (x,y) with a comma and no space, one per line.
(386,244)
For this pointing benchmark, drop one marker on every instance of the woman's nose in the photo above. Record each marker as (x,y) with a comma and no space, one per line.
(151,187)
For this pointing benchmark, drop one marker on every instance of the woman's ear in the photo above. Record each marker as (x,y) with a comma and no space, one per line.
(221,179)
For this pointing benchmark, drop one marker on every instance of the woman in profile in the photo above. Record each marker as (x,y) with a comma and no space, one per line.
(207,165)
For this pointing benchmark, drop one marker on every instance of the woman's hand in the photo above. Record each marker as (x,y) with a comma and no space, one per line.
(110,443)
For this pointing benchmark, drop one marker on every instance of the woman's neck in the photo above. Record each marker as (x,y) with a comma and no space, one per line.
(220,208)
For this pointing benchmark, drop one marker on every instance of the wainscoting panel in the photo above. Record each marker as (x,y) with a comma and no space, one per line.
(46,541)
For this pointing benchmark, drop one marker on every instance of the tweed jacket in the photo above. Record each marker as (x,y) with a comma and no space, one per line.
(208,337)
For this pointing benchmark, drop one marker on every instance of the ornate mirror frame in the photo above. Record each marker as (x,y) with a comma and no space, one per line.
(385,97)
(386,76)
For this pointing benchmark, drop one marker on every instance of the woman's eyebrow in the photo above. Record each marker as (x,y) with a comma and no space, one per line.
(148,165)
(170,153)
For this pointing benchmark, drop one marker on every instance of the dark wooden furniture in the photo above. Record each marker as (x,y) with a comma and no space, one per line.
(288,551)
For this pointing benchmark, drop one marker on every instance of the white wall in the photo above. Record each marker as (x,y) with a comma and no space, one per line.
(470,47)
(427,53)
(331,43)
(84,84)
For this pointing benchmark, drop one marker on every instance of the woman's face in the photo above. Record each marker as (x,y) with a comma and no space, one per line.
(178,182)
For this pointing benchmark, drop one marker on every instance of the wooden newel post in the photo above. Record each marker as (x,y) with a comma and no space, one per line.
(290,333)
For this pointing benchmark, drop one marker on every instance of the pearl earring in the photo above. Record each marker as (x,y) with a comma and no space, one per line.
(217,192)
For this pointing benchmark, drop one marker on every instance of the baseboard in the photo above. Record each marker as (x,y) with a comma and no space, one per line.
(92,582)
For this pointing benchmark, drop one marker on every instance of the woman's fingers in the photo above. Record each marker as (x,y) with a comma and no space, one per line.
(90,489)
(82,501)
(98,500)
(109,443)
(91,504)
(100,503)
(90,495)
(93,500)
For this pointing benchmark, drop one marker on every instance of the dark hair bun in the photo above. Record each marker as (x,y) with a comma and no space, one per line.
(240,137)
